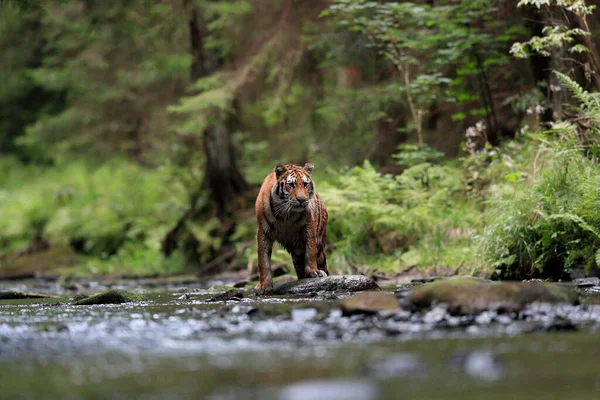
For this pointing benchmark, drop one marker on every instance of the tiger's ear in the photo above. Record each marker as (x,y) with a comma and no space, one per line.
(308,167)
(280,169)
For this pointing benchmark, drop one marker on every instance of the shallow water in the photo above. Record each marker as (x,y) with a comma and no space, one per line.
(178,346)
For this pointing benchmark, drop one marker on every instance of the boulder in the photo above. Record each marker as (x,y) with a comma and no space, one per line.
(369,303)
(473,296)
(338,283)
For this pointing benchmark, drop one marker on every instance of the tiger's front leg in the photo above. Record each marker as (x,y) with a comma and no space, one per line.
(265,279)
(311,270)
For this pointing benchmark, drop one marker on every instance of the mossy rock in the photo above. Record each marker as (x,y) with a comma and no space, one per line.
(108,297)
(472,296)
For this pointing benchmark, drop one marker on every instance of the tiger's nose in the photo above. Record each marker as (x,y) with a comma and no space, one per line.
(302,200)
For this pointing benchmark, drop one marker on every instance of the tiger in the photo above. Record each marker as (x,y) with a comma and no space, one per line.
(290,211)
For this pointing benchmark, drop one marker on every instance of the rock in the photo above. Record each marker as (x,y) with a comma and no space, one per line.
(338,283)
(436,315)
(479,364)
(369,303)
(232,294)
(108,297)
(240,284)
(331,390)
(13,295)
(472,296)
(587,282)
(303,314)
(399,365)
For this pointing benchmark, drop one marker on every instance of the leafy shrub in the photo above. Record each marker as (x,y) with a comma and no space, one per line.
(549,223)
(389,222)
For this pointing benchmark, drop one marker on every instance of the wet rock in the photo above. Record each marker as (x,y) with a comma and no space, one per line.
(482,365)
(436,315)
(557,324)
(108,297)
(14,295)
(402,291)
(368,303)
(240,284)
(587,282)
(593,290)
(330,390)
(232,294)
(472,296)
(185,296)
(399,365)
(339,283)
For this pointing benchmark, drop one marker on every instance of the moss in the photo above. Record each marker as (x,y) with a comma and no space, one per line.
(470,296)
(109,297)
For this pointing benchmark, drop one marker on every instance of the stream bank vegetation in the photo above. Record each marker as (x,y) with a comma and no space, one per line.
(134,135)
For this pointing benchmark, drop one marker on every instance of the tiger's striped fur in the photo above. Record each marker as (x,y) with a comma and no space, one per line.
(291,212)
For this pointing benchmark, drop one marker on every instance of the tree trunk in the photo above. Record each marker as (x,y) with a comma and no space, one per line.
(592,58)
(197,33)
(541,67)
(223,179)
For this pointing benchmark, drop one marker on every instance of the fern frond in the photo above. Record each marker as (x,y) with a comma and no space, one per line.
(589,101)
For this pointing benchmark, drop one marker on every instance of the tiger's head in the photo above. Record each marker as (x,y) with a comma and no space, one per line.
(294,188)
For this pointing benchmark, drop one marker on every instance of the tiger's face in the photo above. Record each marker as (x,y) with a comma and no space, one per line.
(294,188)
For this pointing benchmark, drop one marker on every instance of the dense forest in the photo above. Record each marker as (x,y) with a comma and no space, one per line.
(452,136)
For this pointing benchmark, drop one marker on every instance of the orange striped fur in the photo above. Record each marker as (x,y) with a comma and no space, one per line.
(291,212)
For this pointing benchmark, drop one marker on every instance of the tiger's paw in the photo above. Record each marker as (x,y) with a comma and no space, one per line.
(263,287)
(316,274)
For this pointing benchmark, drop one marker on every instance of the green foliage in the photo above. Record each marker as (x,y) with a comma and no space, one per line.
(115,74)
(117,212)
(435,48)
(556,35)
(549,223)
(418,218)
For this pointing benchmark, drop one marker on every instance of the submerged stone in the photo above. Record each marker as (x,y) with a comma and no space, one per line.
(369,303)
(338,283)
(398,365)
(331,390)
(471,296)
(109,297)
(13,295)
(480,364)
